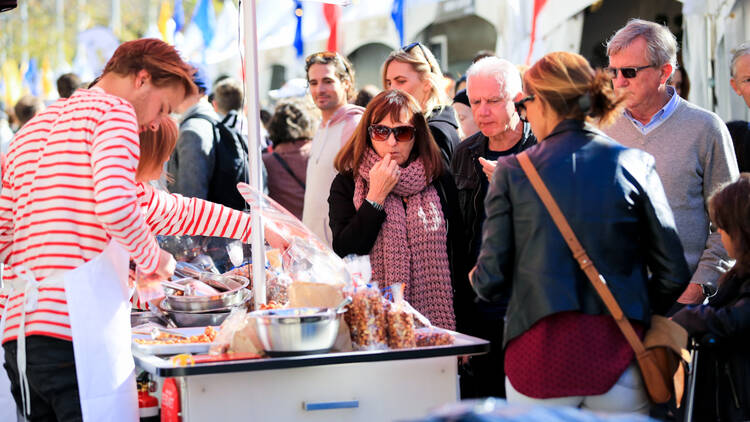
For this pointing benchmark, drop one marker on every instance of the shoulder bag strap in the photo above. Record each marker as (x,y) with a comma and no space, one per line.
(288,169)
(600,285)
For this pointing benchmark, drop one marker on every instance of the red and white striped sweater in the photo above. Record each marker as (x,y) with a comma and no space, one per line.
(69,187)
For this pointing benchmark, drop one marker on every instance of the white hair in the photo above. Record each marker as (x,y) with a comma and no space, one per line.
(737,52)
(505,73)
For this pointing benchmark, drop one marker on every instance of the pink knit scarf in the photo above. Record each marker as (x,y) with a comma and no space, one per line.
(412,244)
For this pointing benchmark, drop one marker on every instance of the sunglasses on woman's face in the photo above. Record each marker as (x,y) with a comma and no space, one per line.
(380,133)
(521,107)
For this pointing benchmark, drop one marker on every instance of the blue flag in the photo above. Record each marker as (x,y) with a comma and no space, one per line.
(205,18)
(31,78)
(299,44)
(397,14)
(178,16)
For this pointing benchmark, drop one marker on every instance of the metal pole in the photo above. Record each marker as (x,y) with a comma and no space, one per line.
(251,107)
(691,385)
(115,21)
(24,33)
(60,25)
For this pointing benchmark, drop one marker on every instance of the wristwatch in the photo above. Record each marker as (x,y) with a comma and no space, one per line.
(708,290)
(375,205)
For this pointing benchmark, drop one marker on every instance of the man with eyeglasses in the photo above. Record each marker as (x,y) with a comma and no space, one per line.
(492,86)
(692,147)
(331,82)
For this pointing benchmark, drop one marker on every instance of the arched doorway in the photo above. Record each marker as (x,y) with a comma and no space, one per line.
(367,61)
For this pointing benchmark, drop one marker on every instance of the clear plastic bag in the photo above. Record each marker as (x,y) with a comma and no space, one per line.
(400,321)
(366,318)
(234,322)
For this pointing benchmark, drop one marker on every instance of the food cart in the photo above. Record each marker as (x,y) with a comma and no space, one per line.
(382,385)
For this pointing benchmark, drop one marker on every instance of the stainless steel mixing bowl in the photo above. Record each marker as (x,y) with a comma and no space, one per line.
(296,331)
(227,299)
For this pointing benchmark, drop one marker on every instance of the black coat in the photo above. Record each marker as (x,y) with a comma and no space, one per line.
(615,204)
(723,329)
(444,128)
(740,132)
(355,231)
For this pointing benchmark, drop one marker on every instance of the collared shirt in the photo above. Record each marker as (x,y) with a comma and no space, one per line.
(660,115)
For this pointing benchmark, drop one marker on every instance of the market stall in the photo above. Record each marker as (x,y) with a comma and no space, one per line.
(323,341)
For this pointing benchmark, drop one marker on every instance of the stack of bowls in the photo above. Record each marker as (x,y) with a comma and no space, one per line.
(199,311)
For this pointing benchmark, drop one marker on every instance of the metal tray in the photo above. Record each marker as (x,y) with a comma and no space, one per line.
(171,349)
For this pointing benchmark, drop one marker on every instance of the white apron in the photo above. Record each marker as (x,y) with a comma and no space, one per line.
(99,311)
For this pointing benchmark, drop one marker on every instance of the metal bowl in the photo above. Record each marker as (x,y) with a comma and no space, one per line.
(202,318)
(296,331)
(183,319)
(139,318)
(227,299)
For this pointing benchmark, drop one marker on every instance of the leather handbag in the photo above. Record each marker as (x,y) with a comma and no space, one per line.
(662,355)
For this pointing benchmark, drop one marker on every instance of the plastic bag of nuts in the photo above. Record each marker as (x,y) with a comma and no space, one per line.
(432,336)
(400,321)
(366,319)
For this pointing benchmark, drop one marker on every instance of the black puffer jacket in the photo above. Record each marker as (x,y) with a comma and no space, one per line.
(723,328)
(614,202)
(444,129)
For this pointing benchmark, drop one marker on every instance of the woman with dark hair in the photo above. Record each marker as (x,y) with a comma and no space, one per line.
(562,347)
(415,70)
(723,325)
(394,200)
(291,129)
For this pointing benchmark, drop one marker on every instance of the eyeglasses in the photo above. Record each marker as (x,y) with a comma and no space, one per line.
(521,107)
(407,48)
(627,72)
(380,133)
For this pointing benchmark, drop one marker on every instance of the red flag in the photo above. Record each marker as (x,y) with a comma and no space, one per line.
(538,4)
(332,14)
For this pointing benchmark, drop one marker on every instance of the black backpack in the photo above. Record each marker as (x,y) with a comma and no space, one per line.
(230,164)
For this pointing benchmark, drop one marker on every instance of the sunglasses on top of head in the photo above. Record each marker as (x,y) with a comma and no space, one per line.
(380,133)
(521,107)
(407,49)
(627,72)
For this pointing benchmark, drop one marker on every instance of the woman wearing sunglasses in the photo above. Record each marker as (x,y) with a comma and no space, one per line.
(414,69)
(394,200)
(562,347)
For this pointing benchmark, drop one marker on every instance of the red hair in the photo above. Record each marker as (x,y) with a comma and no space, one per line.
(159,59)
(156,147)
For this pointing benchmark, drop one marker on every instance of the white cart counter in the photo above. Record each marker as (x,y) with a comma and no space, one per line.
(353,386)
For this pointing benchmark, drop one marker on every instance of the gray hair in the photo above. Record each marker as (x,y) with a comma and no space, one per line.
(737,52)
(661,44)
(506,73)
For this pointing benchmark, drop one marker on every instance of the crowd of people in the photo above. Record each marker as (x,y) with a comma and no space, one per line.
(425,177)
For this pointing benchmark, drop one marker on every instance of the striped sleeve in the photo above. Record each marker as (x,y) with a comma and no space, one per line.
(6,218)
(114,158)
(173,214)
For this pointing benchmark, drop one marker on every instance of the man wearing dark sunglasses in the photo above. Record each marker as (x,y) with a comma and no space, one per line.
(692,147)
(330,78)
(492,86)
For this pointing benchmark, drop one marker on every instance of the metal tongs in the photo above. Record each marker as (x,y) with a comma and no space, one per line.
(187,270)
